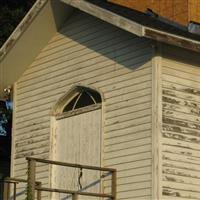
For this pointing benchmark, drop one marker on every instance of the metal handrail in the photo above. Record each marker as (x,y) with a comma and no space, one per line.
(32,173)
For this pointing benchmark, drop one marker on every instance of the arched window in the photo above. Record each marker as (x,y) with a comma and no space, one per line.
(79,99)
(83,97)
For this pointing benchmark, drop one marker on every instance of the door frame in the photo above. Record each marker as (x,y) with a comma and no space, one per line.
(54,117)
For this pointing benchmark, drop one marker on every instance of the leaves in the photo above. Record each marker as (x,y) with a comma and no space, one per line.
(5,119)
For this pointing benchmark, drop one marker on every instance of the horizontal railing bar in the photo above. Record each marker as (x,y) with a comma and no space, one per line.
(74,192)
(8,181)
(16,180)
(72,165)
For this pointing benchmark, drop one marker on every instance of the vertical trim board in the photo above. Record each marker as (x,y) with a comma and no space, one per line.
(156,128)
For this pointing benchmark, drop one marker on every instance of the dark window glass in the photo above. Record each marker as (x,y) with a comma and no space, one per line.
(95,95)
(84,100)
(70,105)
(85,97)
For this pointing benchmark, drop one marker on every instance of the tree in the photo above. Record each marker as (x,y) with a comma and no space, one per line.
(5,119)
(11,13)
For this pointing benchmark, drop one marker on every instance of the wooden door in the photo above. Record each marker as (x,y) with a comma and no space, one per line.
(77,140)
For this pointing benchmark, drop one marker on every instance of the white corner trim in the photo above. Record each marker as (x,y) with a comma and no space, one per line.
(156,128)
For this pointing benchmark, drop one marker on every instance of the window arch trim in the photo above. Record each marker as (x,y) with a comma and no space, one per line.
(58,109)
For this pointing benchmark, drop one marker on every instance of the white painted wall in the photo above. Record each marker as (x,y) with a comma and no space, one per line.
(91,52)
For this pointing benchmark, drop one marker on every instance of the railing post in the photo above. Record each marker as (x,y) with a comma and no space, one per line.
(114,185)
(31,179)
(15,190)
(75,196)
(6,190)
(39,193)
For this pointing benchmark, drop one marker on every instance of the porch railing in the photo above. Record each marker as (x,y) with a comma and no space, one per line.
(7,182)
(32,186)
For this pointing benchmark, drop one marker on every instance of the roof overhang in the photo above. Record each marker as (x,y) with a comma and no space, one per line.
(107,16)
(31,35)
(45,18)
(133,27)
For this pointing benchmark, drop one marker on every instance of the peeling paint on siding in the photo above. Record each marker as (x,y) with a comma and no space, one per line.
(180,134)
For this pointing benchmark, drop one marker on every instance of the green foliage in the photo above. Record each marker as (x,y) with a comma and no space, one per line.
(5,119)
(11,13)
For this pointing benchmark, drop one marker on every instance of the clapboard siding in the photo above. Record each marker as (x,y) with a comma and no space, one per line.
(180,131)
(90,52)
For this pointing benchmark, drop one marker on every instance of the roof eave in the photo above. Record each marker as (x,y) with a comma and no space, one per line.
(172,39)
(26,21)
(134,27)
(35,30)
(108,16)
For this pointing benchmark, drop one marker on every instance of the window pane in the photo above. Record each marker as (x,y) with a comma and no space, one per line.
(85,100)
(70,105)
(84,97)
(95,95)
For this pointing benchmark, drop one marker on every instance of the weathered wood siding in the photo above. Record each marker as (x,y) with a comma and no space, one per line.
(91,52)
(180,131)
